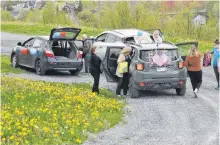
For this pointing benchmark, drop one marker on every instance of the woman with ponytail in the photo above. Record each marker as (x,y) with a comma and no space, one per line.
(193,65)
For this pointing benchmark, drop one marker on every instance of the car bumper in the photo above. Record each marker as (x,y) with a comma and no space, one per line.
(159,81)
(63,66)
(159,84)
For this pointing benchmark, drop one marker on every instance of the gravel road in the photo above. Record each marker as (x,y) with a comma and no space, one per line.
(156,118)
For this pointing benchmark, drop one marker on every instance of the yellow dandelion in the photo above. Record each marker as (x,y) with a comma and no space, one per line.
(46,129)
(78,140)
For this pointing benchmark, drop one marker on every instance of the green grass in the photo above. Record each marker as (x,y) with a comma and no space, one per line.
(6,65)
(40,29)
(37,112)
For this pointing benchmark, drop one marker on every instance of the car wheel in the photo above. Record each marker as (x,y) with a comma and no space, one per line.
(39,68)
(181,91)
(74,72)
(134,93)
(14,61)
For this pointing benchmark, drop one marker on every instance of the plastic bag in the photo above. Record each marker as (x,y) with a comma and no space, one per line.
(123,67)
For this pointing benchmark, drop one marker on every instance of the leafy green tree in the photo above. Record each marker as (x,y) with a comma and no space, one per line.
(62,18)
(34,16)
(23,14)
(6,16)
(49,13)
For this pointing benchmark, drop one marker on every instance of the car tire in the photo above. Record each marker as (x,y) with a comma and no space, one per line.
(39,68)
(134,93)
(74,72)
(14,61)
(181,91)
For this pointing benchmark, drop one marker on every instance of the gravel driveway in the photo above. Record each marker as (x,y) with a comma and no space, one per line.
(156,118)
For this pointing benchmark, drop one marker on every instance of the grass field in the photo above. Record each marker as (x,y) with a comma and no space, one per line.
(6,66)
(36,112)
(40,29)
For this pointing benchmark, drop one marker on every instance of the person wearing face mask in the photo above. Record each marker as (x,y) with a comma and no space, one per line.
(193,65)
(216,58)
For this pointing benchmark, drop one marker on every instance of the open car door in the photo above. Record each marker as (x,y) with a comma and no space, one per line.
(109,63)
(184,48)
(64,33)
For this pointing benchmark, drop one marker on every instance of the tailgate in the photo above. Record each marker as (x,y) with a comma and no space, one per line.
(63,62)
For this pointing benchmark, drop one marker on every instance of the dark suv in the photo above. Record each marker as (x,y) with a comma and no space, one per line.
(154,66)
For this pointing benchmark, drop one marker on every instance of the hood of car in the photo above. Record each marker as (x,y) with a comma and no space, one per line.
(64,33)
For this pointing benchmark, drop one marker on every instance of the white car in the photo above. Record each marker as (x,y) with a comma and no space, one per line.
(121,37)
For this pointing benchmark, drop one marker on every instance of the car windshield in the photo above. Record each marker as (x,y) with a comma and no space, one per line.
(157,55)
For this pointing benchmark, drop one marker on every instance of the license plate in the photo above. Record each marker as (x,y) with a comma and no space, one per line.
(162,69)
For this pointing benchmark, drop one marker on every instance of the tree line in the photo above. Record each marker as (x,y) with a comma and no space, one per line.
(174,21)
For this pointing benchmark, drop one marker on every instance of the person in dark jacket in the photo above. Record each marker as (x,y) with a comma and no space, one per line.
(86,51)
(94,69)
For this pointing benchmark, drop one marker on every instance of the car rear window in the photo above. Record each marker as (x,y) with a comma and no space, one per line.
(147,55)
(63,35)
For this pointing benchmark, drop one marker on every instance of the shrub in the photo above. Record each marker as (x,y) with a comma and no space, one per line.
(6,16)
(34,16)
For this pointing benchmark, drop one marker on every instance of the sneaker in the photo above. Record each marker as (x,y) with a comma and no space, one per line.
(195,93)
(119,96)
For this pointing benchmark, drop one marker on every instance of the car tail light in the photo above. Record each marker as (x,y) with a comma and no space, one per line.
(80,53)
(140,66)
(181,65)
(141,84)
(48,53)
(181,82)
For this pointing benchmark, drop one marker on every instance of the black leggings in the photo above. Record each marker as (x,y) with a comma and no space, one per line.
(96,76)
(123,84)
(196,79)
(216,74)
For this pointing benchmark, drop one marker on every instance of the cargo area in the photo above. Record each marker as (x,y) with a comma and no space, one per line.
(64,50)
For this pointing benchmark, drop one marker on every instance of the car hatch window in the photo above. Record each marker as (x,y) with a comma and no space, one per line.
(167,55)
(111,38)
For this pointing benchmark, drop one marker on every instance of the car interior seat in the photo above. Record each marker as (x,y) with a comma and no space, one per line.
(58,51)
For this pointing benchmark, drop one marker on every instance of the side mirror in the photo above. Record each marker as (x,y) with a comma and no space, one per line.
(19,44)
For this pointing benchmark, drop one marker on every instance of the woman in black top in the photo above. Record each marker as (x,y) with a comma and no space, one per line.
(94,69)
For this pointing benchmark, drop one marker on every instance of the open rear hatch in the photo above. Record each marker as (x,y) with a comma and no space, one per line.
(64,33)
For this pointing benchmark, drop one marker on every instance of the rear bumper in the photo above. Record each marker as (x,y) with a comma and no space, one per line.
(159,81)
(63,66)
(159,84)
